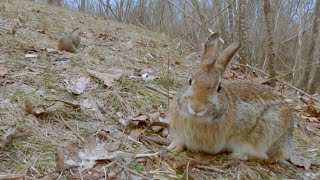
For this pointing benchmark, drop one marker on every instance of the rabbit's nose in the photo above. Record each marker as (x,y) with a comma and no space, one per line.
(197,110)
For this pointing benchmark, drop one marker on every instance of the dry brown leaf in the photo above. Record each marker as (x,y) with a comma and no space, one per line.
(14,29)
(300,161)
(3,70)
(28,106)
(112,146)
(9,134)
(313,110)
(108,77)
(60,159)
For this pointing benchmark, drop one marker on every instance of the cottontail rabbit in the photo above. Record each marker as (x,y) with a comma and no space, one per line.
(240,117)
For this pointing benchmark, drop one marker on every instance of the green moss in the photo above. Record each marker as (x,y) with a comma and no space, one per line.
(166,81)
(49,80)
(136,166)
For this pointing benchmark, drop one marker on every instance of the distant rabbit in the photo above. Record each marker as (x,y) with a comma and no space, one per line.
(240,117)
(69,43)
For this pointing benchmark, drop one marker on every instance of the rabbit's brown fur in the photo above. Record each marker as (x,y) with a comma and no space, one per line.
(69,43)
(244,118)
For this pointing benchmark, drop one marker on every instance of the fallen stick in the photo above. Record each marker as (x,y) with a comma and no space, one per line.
(160,91)
(291,86)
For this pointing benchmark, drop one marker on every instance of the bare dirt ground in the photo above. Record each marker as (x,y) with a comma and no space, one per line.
(49,132)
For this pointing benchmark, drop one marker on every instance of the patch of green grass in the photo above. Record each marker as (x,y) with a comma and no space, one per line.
(140,95)
(49,79)
(168,82)
(114,100)
(136,166)
(299,138)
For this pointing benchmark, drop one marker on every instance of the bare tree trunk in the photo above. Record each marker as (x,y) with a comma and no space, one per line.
(269,28)
(141,11)
(200,12)
(230,18)
(222,27)
(311,52)
(242,31)
(83,6)
(55,2)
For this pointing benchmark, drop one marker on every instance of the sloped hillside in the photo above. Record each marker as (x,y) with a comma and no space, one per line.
(85,114)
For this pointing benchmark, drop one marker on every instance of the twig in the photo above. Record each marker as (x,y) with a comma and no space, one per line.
(162,124)
(74,30)
(145,142)
(189,162)
(291,86)
(160,91)
(188,34)
(13,178)
(285,41)
(210,168)
(4,88)
(157,140)
(184,12)
(78,135)
(140,24)
(133,171)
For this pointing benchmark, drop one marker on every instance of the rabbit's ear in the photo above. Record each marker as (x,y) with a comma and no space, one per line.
(226,55)
(210,49)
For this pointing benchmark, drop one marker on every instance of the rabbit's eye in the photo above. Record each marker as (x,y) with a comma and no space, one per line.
(189,81)
(219,88)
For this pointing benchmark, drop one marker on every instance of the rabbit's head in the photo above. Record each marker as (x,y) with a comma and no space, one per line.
(205,94)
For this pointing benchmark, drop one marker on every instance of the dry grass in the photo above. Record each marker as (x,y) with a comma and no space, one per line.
(127,47)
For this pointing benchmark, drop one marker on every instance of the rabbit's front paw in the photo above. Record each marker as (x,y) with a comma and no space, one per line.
(176,146)
(240,156)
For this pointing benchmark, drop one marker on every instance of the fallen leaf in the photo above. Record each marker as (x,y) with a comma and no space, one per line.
(14,29)
(79,85)
(108,77)
(112,146)
(28,106)
(300,161)
(93,152)
(3,70)
(121,119)
(91,104)
(313,110)
(7,136)
(60,159)
(30,55)
(139,120)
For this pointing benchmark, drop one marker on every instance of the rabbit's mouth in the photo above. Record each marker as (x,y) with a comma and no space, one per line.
(197,111)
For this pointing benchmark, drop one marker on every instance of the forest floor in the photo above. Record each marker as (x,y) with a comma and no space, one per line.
(61,119)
